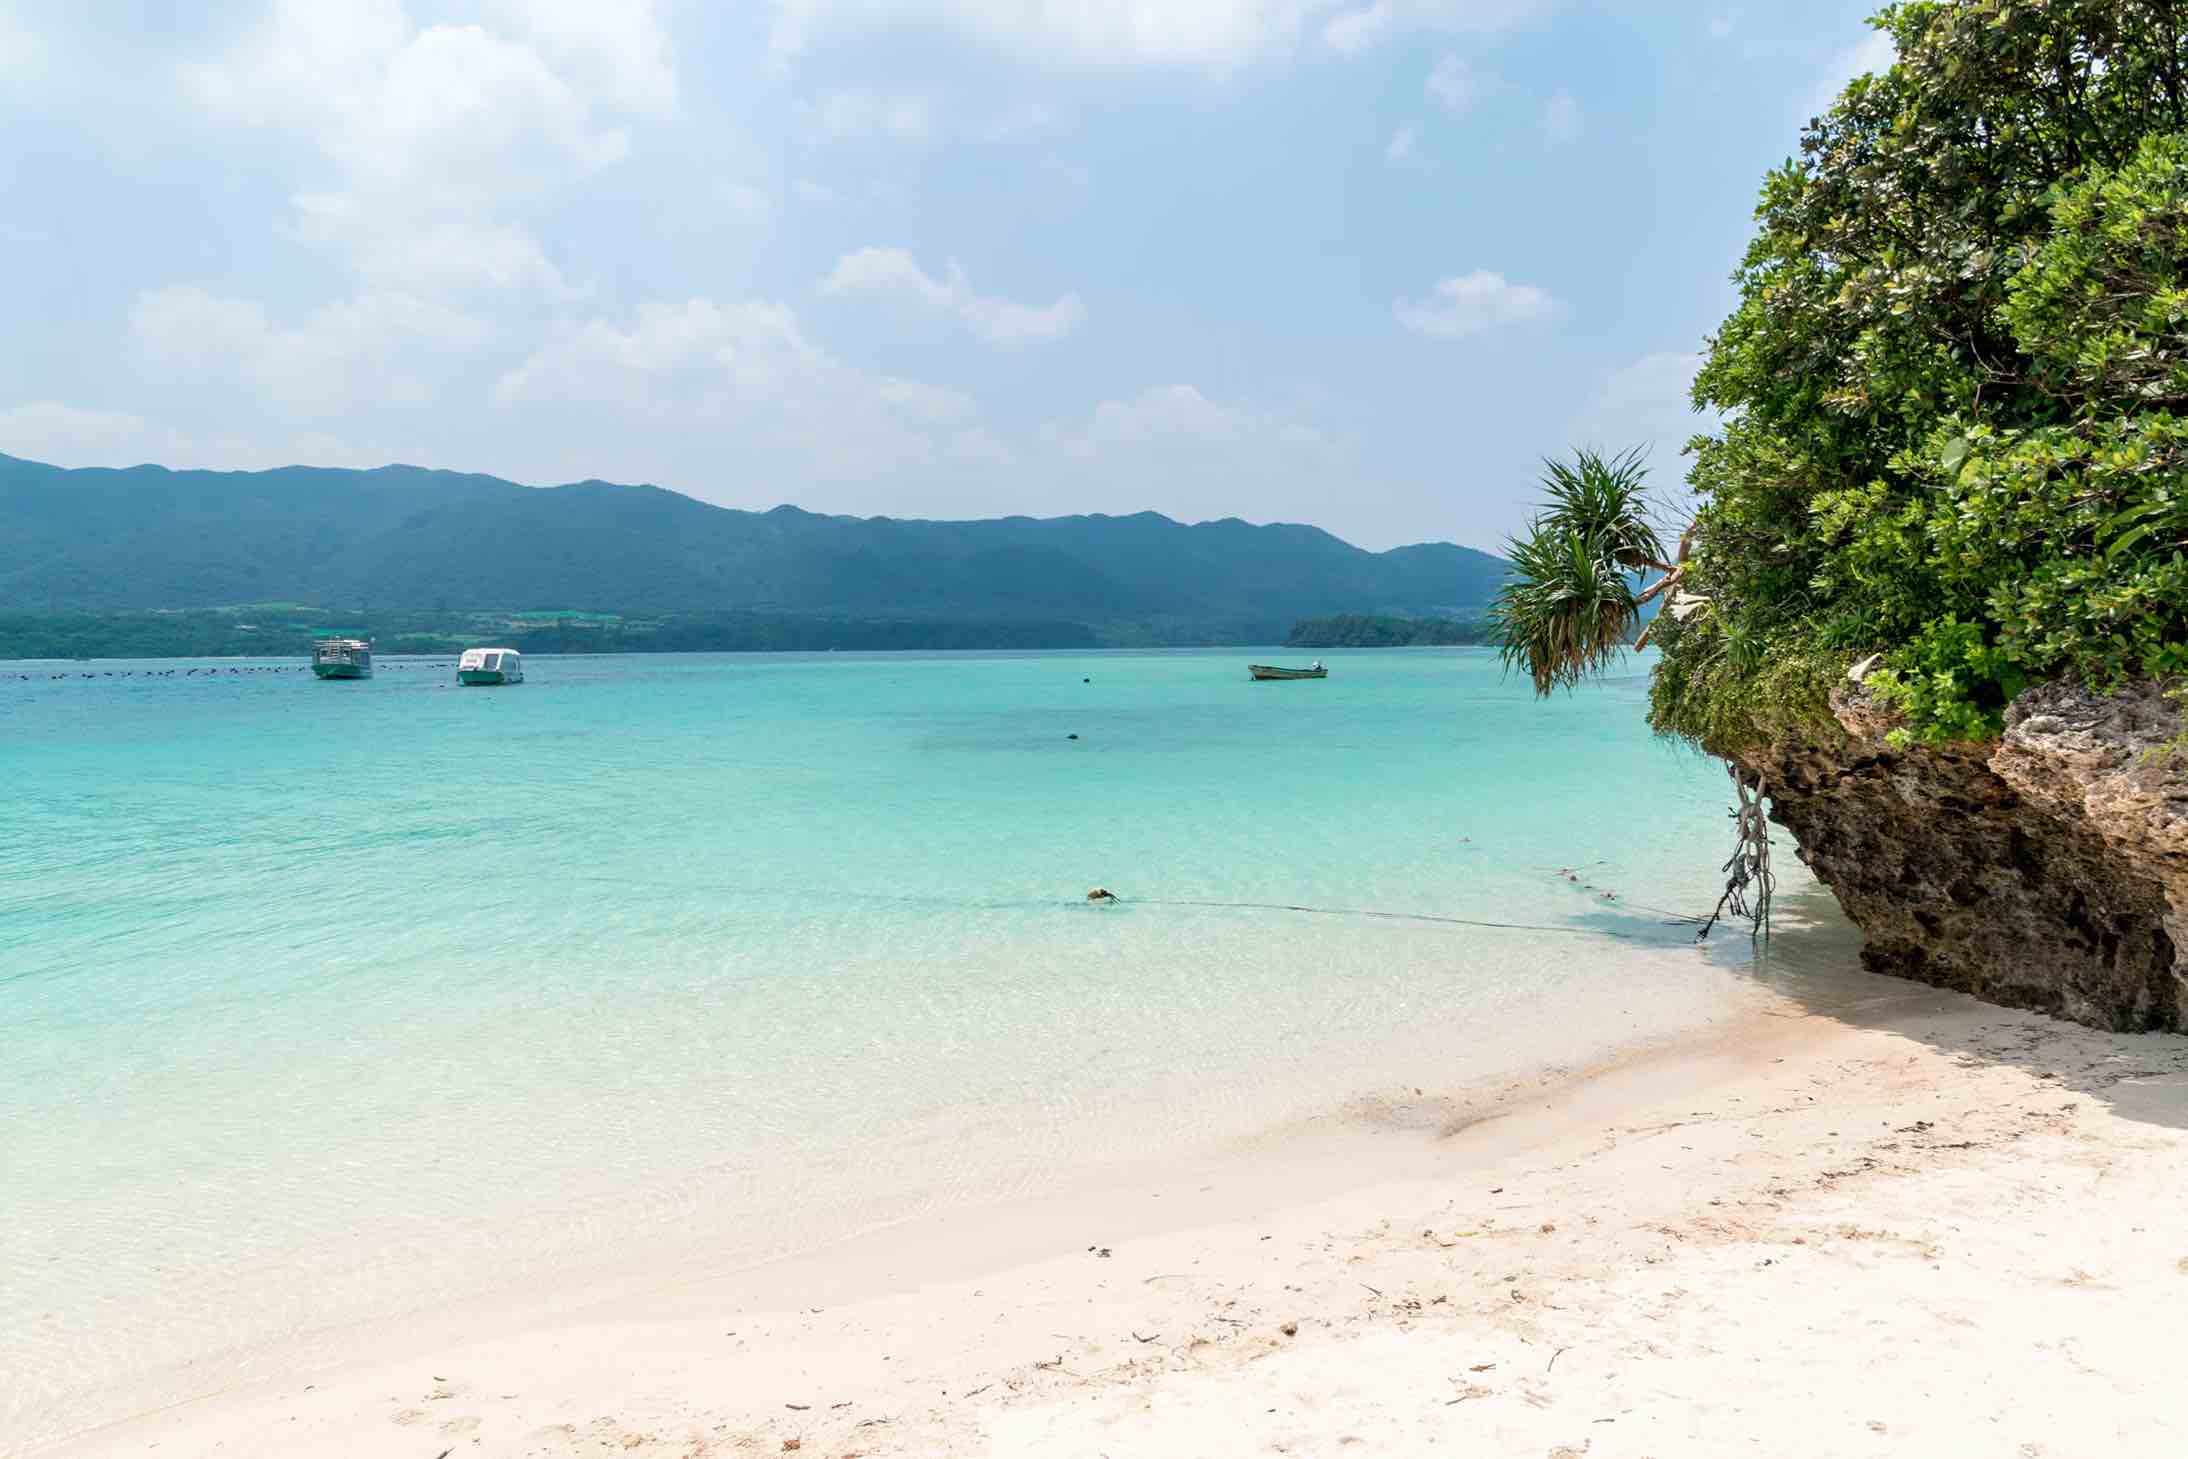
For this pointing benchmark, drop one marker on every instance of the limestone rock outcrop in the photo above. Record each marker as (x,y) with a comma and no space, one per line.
(2048,870)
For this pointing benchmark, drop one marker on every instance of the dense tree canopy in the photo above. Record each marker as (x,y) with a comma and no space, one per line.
(1953,385)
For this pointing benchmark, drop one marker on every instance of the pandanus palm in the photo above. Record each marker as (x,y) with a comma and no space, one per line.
(1570,604)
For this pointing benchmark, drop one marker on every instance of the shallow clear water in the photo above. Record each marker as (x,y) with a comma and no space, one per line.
(327,1000)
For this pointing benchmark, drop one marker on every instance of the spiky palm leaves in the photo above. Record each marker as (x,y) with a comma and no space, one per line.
(1603,499)
(1570,603)
(1568,607)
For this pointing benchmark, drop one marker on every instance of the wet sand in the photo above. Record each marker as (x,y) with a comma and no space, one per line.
(1872,1219)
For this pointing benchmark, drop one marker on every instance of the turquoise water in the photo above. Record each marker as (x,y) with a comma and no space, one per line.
(328,1000)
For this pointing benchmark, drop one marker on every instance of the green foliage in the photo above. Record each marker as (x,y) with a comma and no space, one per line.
(1956,379)
(2100,306)
(1729,684)
(1602,501)
(148,636)
(1358,630)
(399,540)
(1949,683)
(1568,606)
(2178,744)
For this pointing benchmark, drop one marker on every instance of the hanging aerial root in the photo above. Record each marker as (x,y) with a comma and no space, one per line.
(1748,878)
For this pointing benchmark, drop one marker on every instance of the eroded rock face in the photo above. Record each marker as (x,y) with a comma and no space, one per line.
(2048,871)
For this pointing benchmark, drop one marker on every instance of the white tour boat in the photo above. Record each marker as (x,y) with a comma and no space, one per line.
(490,666)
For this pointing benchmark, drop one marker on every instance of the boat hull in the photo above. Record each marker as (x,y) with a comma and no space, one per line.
(486,678)
(1268,671)
(342,671)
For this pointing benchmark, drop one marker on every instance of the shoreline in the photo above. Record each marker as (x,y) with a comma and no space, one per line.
(1378,1135)
(1861,1147)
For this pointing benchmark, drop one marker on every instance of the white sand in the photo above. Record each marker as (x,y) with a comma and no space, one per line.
(1906,1224)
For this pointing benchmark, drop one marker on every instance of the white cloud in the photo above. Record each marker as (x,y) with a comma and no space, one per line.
(20,49)
(893,273)
(1474,303)
(618,42)
(1452,83)
(1356,30)
(67,435)
(1561,118)
(447,110)
(364,348)
(1874,54)
(1401,145)
(747,373)
(1355,27)
(586,358)
(745,200)
(899,116)
(1219,34)
(1180,416)
(1645,403)
(429,254)
(1177,450)
(433,133)
(1016,121)
(463,252)
(917,116)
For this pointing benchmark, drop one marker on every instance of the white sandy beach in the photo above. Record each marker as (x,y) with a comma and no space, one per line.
(1887,1221)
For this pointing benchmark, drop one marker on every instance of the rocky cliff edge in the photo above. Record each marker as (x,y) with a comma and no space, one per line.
(2047,870)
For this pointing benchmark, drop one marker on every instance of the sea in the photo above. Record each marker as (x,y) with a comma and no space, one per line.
(326,1001)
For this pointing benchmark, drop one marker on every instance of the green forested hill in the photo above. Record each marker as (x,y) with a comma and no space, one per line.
(404,539)
(1355,630)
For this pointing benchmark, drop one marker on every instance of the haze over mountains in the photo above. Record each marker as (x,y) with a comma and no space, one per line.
(408,539)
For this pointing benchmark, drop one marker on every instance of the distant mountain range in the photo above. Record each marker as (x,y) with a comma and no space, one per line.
(400,539)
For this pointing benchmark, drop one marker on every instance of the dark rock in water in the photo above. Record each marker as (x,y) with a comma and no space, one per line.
(2048,870)
(1070,737)
(1086,681)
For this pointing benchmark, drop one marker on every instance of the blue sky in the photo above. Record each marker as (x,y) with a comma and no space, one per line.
(1358,263)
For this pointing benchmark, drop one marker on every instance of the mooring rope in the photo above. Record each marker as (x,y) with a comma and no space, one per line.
(1672,919)
(1677,918)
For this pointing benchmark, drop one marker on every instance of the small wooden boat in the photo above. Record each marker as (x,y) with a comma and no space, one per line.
(1270,671)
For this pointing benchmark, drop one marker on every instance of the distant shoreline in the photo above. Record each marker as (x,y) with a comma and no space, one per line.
(302,655)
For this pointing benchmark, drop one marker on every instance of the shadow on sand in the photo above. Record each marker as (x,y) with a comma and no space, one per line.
(1813,961)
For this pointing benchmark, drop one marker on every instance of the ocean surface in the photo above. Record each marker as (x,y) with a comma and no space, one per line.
(325,1001)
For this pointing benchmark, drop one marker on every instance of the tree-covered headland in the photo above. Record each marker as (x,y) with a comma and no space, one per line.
(1953,391)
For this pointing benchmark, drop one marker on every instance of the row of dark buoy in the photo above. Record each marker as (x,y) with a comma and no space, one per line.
(209,672)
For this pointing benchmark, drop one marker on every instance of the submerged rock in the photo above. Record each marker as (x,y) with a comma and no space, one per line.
(2048,870)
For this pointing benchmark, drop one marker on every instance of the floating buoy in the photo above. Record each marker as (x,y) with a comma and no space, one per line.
(1070,737)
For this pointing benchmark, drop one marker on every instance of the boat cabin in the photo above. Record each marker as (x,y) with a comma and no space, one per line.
(341,658)
(490,666)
